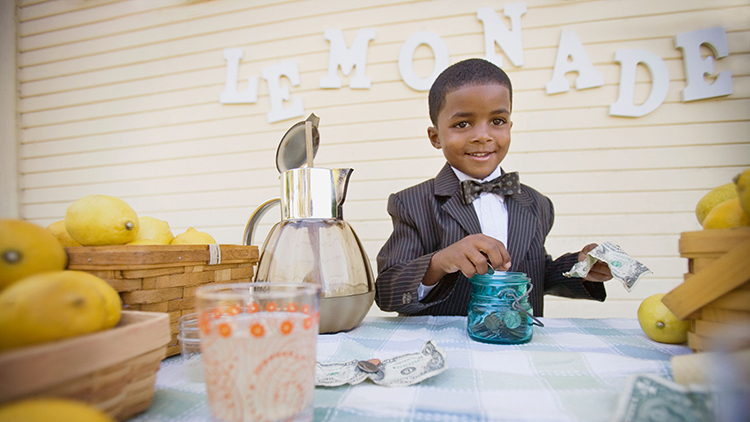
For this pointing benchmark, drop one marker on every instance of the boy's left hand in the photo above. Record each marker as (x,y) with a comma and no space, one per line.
(600,271)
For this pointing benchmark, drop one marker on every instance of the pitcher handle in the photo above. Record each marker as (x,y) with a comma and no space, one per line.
(255,218)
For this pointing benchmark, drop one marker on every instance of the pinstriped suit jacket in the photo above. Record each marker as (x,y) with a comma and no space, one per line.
(430,216)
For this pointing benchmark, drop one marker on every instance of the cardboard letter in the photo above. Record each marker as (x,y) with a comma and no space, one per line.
(405,57)
(629,60)
(347,58)
(279,94)
(571,47)
(230,94)
(697,68)
(496,32)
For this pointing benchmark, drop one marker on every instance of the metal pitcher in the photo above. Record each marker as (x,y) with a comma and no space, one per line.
(312,243)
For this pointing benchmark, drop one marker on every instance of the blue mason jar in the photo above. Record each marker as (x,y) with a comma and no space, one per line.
(499,310)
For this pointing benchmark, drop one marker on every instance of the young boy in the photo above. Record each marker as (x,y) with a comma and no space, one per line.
(449,228)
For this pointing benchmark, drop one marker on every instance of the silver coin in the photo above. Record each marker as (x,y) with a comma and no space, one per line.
(493,323)
(368,367)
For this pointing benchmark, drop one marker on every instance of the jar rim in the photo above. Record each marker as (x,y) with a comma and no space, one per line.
(507,277)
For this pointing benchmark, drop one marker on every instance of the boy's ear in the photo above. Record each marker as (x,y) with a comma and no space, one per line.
(432,133)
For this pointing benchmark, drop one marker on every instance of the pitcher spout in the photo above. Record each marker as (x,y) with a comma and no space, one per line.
(341,184)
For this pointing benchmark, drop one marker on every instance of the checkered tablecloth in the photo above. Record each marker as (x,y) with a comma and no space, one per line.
(572,370)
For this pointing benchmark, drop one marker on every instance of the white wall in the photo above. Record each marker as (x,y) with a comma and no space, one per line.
(122,98)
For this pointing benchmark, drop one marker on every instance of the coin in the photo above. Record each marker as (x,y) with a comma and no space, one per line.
(493,323)
(368,367)
(512,319)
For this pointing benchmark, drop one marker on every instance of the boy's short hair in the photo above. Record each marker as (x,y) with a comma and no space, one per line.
(466,72)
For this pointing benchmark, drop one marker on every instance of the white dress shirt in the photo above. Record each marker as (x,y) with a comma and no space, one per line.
(492,212)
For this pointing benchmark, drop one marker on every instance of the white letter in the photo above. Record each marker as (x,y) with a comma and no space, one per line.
(347,58)
(230,94)
(629,60)
(588,77)
(439,49)
(496,32)
(696,67)
(277,94)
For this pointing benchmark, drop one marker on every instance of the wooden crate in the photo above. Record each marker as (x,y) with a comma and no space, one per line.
(114,370)
(715,295)
(164,278)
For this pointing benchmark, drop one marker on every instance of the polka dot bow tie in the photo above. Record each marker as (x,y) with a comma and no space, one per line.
(505,185)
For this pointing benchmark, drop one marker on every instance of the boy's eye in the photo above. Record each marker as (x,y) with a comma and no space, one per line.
(461,124)
(498,121)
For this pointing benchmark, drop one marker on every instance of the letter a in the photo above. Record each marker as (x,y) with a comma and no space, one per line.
(571,47)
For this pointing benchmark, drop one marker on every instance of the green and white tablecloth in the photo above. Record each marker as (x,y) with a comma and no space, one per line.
(572,370)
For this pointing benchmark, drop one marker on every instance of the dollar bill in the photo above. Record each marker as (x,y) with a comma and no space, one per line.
(398,371)
(335,374)
(651,398)
(623,267)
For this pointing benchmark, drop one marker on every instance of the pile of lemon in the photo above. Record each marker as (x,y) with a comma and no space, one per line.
(726,206)
(99,220)
(41,302)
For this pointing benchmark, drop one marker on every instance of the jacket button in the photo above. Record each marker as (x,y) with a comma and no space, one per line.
(406,298)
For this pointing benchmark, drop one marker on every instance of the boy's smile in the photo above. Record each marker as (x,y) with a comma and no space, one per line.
(473,128)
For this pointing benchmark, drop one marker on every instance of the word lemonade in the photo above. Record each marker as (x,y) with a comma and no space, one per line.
(259,358)
(571,57)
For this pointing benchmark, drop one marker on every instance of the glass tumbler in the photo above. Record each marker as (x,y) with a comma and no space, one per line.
(190,347)
(499,310)
(258,345)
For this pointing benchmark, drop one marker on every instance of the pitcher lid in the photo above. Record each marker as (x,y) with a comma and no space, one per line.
(292,151)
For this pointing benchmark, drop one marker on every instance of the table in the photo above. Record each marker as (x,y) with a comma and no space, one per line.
(572,370)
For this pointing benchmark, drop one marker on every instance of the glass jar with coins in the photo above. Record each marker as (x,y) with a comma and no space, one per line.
(499,310)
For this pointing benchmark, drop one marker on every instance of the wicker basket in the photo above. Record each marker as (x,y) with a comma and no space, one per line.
(114,370)
(715,296)
(156,278)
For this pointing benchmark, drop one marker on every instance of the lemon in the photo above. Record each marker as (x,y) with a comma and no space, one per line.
(713,198)
(742,185)
(153,231)
(55,305)
(659,323)
(51,410)
(193,237)
(727,215)
(27,249)
(101,220)
(58,229)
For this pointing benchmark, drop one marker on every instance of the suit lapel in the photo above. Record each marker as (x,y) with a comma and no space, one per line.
(521,224)
(446,184)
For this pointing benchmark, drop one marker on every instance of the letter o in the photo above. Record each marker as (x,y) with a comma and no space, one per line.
(405,57)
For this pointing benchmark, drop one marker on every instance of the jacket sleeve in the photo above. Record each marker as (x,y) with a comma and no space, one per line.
(402,264)
(555,283)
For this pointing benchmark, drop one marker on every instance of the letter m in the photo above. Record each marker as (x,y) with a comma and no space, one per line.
(347,58)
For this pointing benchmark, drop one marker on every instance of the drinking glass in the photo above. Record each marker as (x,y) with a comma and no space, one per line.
(258,346)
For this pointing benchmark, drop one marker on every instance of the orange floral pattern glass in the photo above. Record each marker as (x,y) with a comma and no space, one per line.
(259,353)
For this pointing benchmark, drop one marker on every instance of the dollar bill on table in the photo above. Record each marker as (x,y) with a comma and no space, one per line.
(623,267)
(647,398)
(397,371)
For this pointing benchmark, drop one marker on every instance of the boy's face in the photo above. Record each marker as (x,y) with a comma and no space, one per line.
(473,128)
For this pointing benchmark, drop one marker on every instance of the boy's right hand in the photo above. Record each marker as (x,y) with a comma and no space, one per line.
(470,256)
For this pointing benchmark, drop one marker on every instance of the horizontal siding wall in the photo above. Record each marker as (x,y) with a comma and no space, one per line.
(122,98)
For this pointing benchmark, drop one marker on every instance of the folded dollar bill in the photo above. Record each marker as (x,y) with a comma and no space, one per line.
(623,266)
(397,371)
(647,397)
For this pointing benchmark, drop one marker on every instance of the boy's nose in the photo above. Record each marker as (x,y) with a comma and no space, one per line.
(482,133)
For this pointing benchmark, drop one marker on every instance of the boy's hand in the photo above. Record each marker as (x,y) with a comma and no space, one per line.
(600,271)
(471,255)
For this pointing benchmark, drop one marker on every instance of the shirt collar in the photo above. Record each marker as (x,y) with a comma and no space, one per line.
(463,176)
